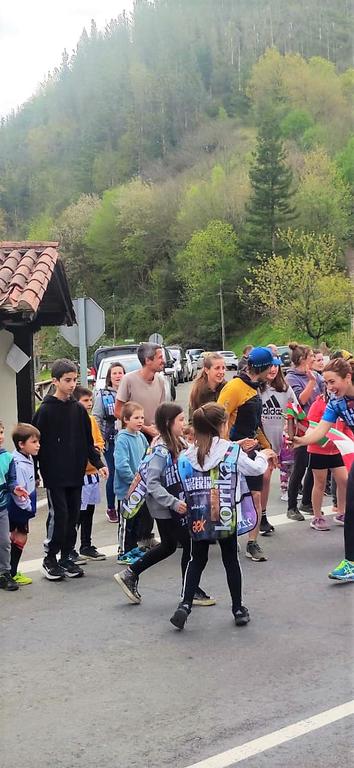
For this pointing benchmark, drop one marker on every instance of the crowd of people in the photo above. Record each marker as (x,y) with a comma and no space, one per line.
(201,479)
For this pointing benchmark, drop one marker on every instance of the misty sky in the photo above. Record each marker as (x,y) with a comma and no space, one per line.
(34,34)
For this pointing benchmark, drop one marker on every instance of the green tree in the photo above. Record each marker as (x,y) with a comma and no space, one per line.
(323,199)
(271,191)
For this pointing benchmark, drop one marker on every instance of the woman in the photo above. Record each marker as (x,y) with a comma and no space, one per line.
(103,410)
(209,382)
(307,384)
(275,394)
(339,377)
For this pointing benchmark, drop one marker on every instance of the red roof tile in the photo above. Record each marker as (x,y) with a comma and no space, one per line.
(25,272)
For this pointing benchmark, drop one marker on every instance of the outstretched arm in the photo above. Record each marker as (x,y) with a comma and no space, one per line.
(314,435)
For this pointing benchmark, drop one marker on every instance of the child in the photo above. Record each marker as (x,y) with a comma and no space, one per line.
(8,484)
(90,493)
(130,447)
(26,441)
(165,507)
(211,487)
(188,434)
(66,447)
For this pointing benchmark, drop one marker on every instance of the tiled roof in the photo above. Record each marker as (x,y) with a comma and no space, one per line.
(26,269)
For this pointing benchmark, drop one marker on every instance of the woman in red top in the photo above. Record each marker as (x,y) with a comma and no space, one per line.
(321,459)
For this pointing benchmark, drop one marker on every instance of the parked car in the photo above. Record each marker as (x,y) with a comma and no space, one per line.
(182,367)
(285,355)
(231,361)
(192,366)
(130,362)
(195,353)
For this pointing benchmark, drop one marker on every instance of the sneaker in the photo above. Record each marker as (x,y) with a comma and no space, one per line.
(294,514)
(91,553)
(71,569)
(126,559)
(20,578)
(112,515)
(128,582)
(241,616)
(180,616)
(254,551)
(7,582)
(284,496)
(307,508)
(77,558)
(265,527)
(320,524)
(51,570)
(334,509)
(201,598)
(148,543)
(339,519)
(343,572)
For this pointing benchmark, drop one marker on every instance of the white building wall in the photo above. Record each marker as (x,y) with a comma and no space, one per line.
(8,394)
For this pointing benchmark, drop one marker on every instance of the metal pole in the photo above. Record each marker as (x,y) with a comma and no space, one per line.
(114,316)
(82,341)
(222,317)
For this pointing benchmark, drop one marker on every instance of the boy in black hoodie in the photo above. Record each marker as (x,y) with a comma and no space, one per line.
(66,447)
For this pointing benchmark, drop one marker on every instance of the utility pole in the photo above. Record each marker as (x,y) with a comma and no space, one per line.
(222,316)
(114,316)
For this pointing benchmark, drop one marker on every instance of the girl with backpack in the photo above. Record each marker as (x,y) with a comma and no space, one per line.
(164,498)
(212,474)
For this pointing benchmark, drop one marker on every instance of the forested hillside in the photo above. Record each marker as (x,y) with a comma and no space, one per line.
(151,153)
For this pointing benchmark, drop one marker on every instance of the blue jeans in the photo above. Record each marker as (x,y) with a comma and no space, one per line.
(109,457)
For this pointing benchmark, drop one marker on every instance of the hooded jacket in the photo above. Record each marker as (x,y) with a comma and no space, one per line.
(21,510)
(298,381)
(8,479)
(66,442)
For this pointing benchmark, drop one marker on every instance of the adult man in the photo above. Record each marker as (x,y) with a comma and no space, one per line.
(147,388)
(244,406)
(242,363)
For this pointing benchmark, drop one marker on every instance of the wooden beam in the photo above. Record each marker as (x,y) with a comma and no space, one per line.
(23,337)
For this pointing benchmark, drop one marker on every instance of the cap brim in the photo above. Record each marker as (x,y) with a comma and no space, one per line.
(277,361)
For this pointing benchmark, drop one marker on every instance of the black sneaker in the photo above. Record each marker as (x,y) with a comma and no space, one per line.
(7,582)
(180,616)
(51,570)
(254,551)
(71,569)
(91,553)
(265,527)
(128,582)
(241,616)
(294,514)
(307,508)
(201,598)
(77,558)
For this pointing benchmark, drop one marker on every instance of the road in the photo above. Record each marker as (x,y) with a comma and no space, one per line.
(89,680)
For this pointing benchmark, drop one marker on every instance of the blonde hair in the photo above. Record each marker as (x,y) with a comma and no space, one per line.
(201,382)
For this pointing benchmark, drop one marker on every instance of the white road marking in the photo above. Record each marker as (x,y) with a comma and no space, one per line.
(271,740)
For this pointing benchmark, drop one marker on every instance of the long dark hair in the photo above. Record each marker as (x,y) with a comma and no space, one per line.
(110,369)
(164,418)
(341,367)
(207,423)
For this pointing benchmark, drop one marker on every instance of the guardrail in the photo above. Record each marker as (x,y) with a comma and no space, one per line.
(43,388)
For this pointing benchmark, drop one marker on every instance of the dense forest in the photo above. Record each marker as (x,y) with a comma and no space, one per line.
(181,144)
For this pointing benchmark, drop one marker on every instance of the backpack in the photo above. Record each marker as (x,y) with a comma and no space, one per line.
(108,402)
(219,501)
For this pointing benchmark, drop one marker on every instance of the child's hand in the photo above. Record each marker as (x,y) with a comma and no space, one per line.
(103,472)
(271,456)
(181,508)
(21,492)
(247,444)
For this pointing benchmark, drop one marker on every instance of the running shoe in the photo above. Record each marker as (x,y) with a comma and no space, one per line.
(77,558)
(339,519)
(294,514)
(201,598)
(284,496)
(254,552)
(320,524)
(112,515)
(334,509)
(307,508)
(51,570)
(128,582)
(71,569)
(91,553)
(343,572)
(20,578)
(265,527)
(7,582)
(180,616)
(241,616)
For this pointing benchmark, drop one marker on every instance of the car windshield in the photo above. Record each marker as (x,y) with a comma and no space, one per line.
(129,364)
(195,351)
(175,353)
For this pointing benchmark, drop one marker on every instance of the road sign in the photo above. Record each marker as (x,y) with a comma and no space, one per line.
(156,338)
(90,327)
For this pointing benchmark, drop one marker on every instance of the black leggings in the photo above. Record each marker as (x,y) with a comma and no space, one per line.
(198,562)
(171,533)
(301,458)
(85,523)
(349,518)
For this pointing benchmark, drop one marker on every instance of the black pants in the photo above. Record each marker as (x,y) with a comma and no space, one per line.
(62,520)
(301,458)
(135,529)
(349,518)
(171,532)
(198,562)
(85,524)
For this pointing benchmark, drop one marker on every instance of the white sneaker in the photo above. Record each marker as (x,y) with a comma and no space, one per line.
(284,496)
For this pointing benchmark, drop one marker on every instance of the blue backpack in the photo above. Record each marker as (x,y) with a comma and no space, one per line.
(137,491)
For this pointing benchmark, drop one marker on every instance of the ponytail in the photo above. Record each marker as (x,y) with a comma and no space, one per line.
(207,422)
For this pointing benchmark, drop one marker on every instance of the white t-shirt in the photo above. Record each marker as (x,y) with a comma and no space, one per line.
(273,420)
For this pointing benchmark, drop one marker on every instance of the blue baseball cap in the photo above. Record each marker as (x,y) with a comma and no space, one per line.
(262,358)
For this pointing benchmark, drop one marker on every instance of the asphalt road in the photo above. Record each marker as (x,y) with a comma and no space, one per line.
(89,680)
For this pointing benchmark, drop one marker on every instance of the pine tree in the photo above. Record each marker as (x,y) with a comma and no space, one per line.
(271,180)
